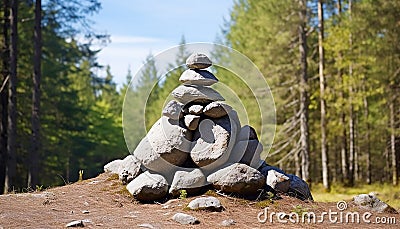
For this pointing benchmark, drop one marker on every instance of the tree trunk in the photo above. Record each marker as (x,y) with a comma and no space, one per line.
(304,99)
(336,159)
(387,170)
(4,93)
(351,116)
(393,142)
(33,177)
(297,166)
(356,154)
(343,141)
(351,141)
(11,165)
(367,145)
(322,85)
(339,6)
(343,146)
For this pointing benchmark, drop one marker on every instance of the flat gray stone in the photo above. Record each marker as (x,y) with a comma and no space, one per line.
(201,94)
(217,109)
(205,203)
(198,61)
(76,223)
(198,77)
(167,143)
(228,222)
(173,110)
(191,181)
(372,203)
(185,219)
(148,187)
(237,178)
(147,225)
(192,121)
(195,109)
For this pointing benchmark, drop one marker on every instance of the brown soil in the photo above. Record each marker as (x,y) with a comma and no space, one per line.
(109,205)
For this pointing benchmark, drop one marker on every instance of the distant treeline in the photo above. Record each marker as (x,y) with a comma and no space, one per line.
(334,70)
(58,116)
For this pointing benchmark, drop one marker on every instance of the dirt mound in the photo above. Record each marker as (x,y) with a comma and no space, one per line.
(104,202)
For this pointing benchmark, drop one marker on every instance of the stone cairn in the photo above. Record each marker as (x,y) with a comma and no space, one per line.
(197,142)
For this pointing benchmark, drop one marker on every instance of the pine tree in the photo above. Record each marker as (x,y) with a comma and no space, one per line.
(273,35)
(11,162)
(4,92)
(138,116)
(324,153)
(33,176)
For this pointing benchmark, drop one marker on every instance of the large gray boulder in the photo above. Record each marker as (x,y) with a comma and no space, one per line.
(217,109)
(372,203)
(247,152)
(198,77)
(299,188)
(173,110)
(205,203)
(201,94)
(237,178)
(166,144)
(148,187)
(191,181)
(198,61)
(213,141)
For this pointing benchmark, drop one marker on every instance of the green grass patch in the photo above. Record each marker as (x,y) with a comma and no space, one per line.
(385,192)
(113,177)
(264,203)
(123,191)
(211,193)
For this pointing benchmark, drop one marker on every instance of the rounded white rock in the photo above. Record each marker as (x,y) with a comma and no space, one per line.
(198,61)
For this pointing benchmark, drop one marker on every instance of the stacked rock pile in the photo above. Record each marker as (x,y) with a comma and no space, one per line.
(198,141)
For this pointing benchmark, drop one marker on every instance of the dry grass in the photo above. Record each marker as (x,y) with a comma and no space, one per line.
(385,192)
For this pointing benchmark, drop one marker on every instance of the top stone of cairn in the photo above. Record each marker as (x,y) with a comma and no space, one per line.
(198,61)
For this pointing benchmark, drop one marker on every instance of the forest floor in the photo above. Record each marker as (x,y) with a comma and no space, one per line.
(103,202)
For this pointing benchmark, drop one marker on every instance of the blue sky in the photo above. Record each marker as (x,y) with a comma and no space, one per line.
(140,27)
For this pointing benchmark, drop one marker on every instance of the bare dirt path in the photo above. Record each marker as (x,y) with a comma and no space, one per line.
(102,202)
